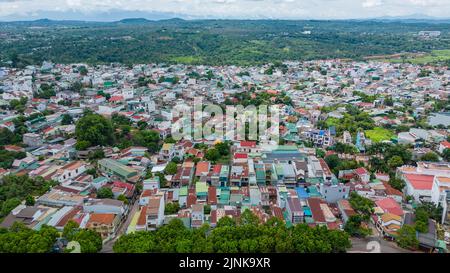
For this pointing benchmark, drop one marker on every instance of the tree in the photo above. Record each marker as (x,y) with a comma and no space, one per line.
(7,158)
(378,164)
(95,130)
(354,227)
(171,168)
(16,188)
(105,192)
(29,200)
(223,148)
(226,222)
(118,120)
(66,119)
(332,161)
(248,235)
(430,156)
(147,138)
(212,154)
(176,160)
(70,230)
(82,145)
(123,198)
(248,218)
(89,240)
(97,154)
(421,219)
(397,183)
(82,70)
(361,204)
(401,151)
(46,91)
(162,179)
(6,136)
(169,140)
(9,205)
(171,208)
(320,153)
(446,154)
(407,237)
(21,239)
(345,148)
(77,87)
(207,209)
(395,161)
(388,101)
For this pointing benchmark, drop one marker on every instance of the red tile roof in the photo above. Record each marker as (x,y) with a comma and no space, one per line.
(390,205)
(390,190)
(361,171)
(277,212)
(250,144)
(213,216)
(125,185)
(142,217)
(240,156)
(212,196)
(116,98)
(317,213)
(446,144)
(101,218)
(420,181)
(202,168)
(191,200)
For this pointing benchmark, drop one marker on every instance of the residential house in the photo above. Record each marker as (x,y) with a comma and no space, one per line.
(104,223)
(197,215)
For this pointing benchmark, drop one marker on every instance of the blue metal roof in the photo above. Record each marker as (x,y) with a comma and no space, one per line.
(301,192)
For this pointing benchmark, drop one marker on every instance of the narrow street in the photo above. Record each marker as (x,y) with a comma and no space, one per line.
(108,246)
(375,244)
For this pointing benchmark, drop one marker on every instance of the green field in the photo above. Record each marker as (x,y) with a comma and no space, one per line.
(433,57)
(332,121)
(187,59)
(379,134)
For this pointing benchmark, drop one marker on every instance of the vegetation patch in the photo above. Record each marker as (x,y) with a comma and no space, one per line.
(187,59)
(379,134)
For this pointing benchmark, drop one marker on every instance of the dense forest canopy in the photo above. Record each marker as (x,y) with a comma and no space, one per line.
(212,42)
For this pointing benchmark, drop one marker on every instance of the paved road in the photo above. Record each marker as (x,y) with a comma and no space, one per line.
(107,247)
(375,244)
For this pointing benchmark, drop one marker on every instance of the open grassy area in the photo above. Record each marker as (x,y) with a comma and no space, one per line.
(332,121)
(187,59)
(379,134)
(434,56)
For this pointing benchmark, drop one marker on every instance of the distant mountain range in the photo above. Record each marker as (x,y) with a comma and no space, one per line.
(413,18)
(143,17)
(108,16)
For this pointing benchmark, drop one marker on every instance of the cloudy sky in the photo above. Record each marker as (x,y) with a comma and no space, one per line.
(249,9)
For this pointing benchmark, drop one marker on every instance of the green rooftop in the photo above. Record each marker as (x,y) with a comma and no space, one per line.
(183,191)
(313,192)
(201,188)
(110,165)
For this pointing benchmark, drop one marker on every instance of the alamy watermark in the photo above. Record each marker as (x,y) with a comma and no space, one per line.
(207,121)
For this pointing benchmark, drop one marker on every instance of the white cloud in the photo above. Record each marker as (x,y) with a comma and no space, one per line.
(283,9)
(372,3)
